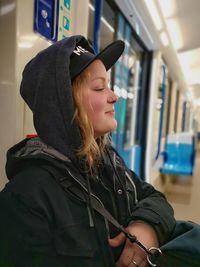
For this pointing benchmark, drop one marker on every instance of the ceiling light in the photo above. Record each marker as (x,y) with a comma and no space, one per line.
(164,38)
(195,84)
(175,33)
(190,66)
(192,78)
(167,7)
(197,102)
(154,13)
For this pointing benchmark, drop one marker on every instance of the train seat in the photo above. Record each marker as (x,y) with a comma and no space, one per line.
(179,154)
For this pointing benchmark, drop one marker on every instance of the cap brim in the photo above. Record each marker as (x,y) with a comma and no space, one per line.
(109,55)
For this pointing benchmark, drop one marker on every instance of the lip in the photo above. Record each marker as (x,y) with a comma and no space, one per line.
(112,112)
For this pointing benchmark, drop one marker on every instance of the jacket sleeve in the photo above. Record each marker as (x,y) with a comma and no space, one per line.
(153,208)
(150,206)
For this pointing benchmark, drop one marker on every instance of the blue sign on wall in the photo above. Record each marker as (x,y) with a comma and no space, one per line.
(46,18)
(65,19)
(67,4)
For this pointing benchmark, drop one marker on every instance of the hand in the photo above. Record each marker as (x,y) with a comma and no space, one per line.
(131,252)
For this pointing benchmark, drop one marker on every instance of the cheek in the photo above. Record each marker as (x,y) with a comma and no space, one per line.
(94,105)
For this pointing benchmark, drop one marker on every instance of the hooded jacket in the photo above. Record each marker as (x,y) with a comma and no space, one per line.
(41,223)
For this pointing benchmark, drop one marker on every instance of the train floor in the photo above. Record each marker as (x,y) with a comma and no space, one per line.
(183,193)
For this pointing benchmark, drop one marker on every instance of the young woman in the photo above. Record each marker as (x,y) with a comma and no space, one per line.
(47,212)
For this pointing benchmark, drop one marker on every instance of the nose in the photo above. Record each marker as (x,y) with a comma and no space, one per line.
(112,97)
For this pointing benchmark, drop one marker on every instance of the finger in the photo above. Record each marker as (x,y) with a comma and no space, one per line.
(144,263)
(117,240)
(136,261)
(127,255)
(133,263)
(138,256)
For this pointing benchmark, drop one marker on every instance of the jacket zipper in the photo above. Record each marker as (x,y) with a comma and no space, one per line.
(133,185)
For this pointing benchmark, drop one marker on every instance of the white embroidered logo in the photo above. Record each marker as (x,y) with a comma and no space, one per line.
(79,49)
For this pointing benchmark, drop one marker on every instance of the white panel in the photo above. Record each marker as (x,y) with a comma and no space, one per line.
(80,15)
(151,142)
(27,46)
(7,81)
(18,45)
(172,107)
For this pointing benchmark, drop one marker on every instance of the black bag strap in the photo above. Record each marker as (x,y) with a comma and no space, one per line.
(79,191)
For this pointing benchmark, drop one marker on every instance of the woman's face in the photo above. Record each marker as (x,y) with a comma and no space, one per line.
(98,100)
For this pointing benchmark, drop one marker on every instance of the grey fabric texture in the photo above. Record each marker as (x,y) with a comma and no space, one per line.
(46,88)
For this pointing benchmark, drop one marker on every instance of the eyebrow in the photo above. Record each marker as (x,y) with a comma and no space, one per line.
(101,78)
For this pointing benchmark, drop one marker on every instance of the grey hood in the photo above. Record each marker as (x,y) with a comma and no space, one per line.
(46,88)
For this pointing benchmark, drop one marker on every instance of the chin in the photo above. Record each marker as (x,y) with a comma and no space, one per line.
(111,129)
(114,126)
(106,129)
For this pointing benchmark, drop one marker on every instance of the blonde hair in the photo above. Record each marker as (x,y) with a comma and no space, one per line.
(92,149)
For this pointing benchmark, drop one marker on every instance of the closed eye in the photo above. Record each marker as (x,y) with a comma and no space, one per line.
(99,89)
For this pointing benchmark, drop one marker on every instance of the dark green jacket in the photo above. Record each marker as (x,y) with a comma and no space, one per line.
(42,225)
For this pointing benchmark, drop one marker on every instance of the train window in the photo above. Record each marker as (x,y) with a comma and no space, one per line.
(107,29)
(121,85)
(135,68)
(127,84)
(108,25)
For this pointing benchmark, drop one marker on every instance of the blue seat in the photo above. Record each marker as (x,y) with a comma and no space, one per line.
(178,158)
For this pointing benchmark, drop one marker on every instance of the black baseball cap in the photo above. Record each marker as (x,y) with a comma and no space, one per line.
(83,55)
